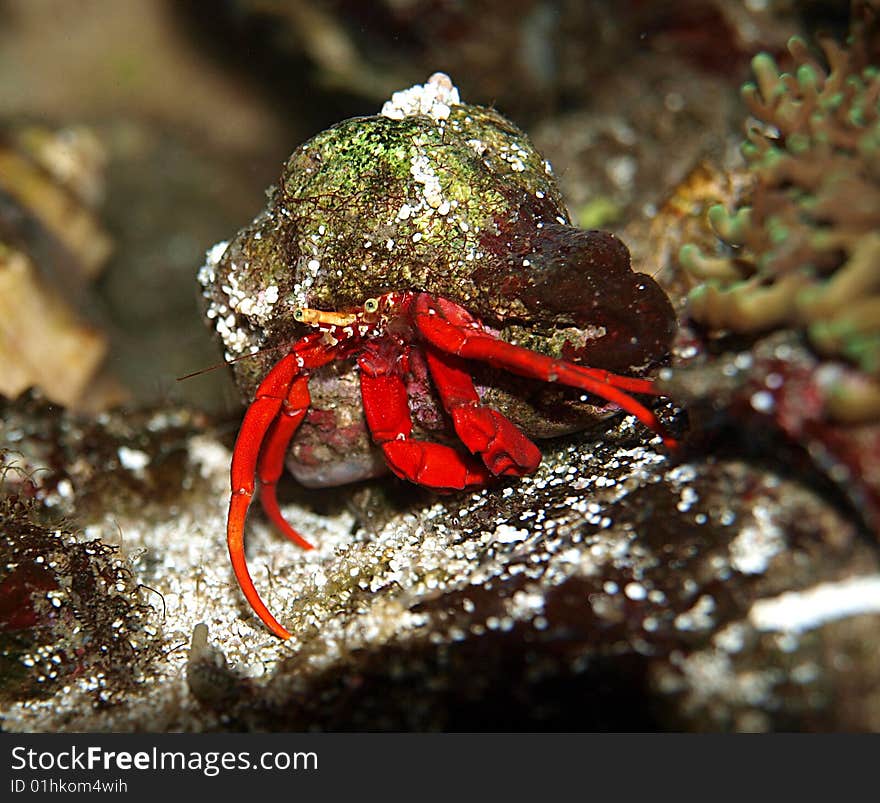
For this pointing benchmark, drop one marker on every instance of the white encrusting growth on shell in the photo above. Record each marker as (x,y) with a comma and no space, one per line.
(257,307)
(423,173)
(432,98)
(514,155)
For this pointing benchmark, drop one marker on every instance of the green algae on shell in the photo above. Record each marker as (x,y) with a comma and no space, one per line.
(396,200)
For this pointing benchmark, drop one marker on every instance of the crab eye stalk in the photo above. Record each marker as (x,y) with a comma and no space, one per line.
(312,317)
(318,317)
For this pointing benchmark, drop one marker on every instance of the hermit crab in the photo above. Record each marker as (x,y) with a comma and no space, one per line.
(433,307)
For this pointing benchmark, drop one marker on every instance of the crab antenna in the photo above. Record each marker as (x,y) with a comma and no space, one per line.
(226,363)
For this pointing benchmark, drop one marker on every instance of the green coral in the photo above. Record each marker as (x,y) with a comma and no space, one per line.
(803,250)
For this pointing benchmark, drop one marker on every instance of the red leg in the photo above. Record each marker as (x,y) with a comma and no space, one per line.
(259,418)
(271,463)
(502,447)
(387,412)
(450,328)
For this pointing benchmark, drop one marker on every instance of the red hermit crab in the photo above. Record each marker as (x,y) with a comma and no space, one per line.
(435,308)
